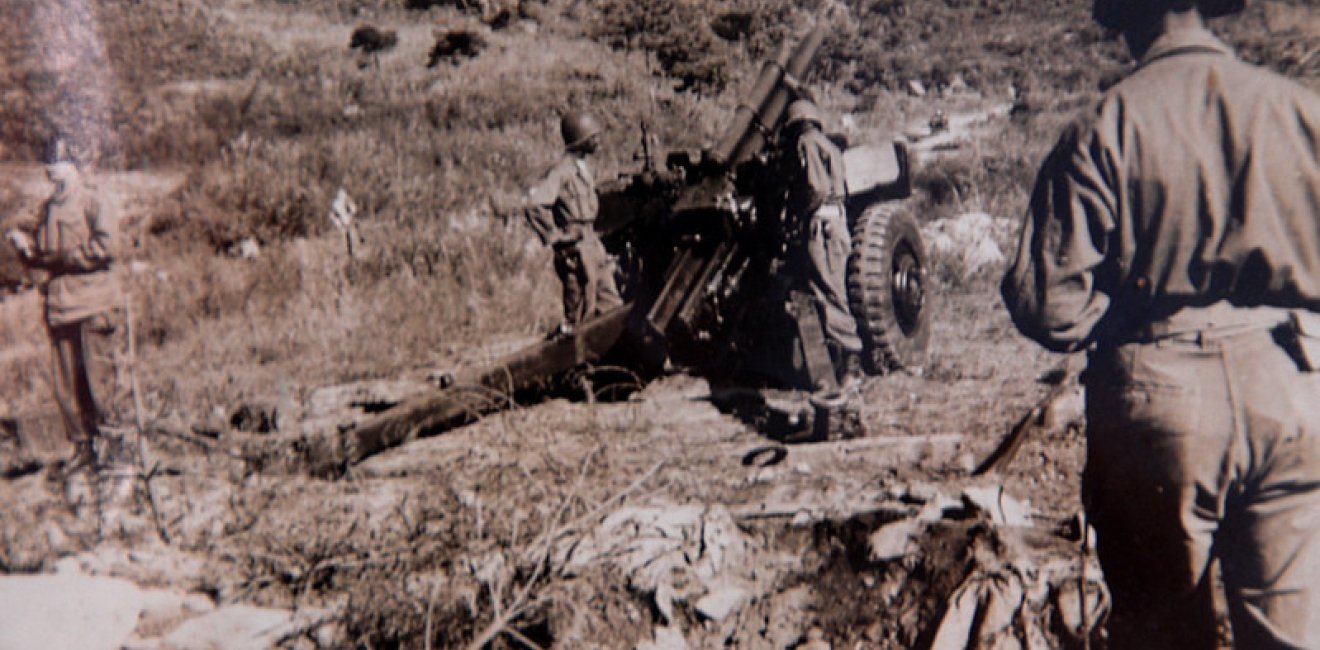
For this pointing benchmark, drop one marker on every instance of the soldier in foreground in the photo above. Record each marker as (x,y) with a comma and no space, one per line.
(563,209)
(815,202)
(1175,236)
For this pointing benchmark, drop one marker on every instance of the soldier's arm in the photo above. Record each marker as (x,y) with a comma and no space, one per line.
(816,174)
(99,250)
(538,210)
(38,257)
(1050,289)
(542,222)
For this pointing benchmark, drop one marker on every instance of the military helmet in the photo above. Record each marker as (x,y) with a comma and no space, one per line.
(577,127)
(802,110)
(58,150)
(1122,14)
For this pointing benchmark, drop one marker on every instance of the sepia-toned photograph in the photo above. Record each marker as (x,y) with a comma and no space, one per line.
(660,324)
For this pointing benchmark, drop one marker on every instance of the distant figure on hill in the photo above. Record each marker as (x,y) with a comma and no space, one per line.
(1174,235)
(562,211)
(71,258)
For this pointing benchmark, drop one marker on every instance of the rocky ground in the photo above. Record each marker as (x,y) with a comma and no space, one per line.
(656,522)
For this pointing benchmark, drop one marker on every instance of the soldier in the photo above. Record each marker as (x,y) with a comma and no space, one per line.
(563,213)
(815,200)
(71,257)
(1175,235)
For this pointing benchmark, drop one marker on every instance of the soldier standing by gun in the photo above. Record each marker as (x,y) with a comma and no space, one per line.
(563,214)
(1176,236)
(815,204)
(71,256)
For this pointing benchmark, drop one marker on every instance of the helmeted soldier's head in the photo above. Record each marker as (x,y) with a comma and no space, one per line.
(61,166)
(801,116)
(1128,15)
(581,132)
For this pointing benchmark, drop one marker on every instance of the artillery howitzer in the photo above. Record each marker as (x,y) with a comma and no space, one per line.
(707,273)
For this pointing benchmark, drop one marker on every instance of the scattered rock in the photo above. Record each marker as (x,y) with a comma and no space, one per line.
(1002,509)
(234,627)
(74,612)
(894,540)
(164,609)
(246,248)
(815,640)
(721,601)
(666,638)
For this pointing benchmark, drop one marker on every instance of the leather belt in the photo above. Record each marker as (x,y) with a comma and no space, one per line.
(1216,322)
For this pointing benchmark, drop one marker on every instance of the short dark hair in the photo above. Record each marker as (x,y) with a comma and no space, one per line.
(1120,14)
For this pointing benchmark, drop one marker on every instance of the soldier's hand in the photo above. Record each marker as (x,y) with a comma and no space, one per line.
(22,243)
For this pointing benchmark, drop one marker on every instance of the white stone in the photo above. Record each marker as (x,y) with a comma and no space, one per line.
(666,638)
(1002,509)
(74,612)
(721,601)
(894,540)
(234,627)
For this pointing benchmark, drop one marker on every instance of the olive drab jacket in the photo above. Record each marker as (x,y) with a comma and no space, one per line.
(1197,181)
(820,164)
(564,204)
(76,242)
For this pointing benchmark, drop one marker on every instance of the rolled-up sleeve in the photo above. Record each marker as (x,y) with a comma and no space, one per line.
(1051,287)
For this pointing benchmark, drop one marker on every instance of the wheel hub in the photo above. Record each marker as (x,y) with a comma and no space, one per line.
(908,291)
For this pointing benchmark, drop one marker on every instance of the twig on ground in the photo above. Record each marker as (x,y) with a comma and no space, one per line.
(544,547)
(146,474)
(430,612)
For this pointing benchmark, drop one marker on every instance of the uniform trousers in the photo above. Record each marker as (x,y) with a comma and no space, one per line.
(84,356)
(587,275)
(828,248)
(1203,442)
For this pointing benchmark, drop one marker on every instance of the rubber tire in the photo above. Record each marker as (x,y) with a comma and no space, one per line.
(895,327)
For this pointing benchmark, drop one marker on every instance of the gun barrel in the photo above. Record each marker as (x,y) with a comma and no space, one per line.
(765,104)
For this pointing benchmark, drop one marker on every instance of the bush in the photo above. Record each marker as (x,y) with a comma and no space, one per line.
(677,32)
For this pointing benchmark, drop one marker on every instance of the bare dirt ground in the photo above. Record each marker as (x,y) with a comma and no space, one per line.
(442,533)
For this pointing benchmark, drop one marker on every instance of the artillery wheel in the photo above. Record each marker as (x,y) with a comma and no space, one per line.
(887,286)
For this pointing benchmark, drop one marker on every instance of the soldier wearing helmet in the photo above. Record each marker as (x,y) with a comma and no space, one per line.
(562,211)
(815,202)
(71,256)
(1174,235)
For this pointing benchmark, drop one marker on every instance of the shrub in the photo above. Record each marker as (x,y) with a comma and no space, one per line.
(677,32)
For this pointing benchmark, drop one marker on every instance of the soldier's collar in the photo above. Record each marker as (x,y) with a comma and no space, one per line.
(1184,41)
